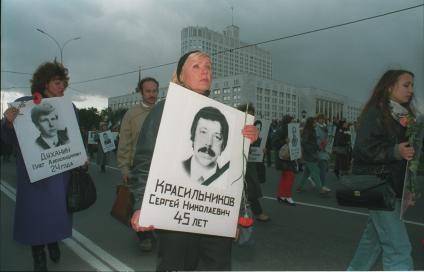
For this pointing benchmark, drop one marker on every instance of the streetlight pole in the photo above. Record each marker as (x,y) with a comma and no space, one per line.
(57,43)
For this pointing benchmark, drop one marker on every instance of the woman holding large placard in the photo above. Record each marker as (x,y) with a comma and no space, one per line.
(180,250)
(41,216)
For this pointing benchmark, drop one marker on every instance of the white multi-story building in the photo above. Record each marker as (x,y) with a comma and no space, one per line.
(333,105)
(271,98)
(230,56)
(126,101)
(243,74)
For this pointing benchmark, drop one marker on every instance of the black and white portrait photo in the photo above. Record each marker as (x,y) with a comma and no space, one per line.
(258,125)
(49,137)
(256,152)
(295,147)
(46,120)
(92,135)
(209,137)
(106,139)
(195,179)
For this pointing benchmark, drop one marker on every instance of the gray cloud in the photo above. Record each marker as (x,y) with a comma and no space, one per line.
(119,36)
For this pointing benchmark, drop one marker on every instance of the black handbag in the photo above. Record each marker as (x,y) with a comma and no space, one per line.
(366,191)
(81,192)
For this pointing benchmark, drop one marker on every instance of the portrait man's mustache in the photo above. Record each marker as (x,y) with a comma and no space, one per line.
(207,150)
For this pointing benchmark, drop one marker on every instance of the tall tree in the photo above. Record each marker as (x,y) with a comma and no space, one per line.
(89,118)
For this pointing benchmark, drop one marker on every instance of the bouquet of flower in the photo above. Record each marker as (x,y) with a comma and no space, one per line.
(414,132)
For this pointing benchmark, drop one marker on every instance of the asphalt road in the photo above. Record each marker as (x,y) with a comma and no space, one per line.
(317,234)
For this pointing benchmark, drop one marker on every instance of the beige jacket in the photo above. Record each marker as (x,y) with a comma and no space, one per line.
(130,130)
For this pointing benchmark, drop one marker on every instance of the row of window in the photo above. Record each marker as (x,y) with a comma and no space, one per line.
(274,115)
(226,91)
(275,93)
(280,108)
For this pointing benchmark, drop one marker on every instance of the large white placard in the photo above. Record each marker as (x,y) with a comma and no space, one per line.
(294,141)
(107,140)
(181,196)
(257,148)
(49,137)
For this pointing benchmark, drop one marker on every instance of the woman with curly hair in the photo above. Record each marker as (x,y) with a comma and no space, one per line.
(41,216)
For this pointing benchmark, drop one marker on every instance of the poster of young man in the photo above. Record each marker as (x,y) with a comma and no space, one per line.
(107,140)
(50,143)
(257,148)
(294,141)
(92,137)
(195,178)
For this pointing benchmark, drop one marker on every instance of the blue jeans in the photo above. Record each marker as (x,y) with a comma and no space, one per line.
(323,169)
(385,233)
(310,169)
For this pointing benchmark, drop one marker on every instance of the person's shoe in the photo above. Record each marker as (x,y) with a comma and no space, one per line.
(146,245)
(324,193)
(288,201)
(54,252)
(312,182)
(263,217)
(39,258)
(325,188)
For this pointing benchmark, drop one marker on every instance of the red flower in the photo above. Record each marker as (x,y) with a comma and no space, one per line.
(403,121)
(245,221)
(37,98)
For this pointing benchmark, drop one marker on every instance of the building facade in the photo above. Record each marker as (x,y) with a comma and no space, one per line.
(272,99)
(243,74)
(333,105)
(126,101)
(230,56)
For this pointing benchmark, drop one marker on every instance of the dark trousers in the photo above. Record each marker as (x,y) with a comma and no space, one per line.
(189,251)
(256,207)
(260,168)
(142,235)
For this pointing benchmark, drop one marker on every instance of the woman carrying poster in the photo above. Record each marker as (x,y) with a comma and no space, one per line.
(41,216)
(180,250)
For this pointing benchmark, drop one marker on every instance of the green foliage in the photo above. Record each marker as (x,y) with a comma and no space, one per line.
(413,132)
(89,118)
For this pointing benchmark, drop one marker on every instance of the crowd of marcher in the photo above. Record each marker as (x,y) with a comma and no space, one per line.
(350,147)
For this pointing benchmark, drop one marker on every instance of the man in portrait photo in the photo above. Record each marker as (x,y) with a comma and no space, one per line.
(106,139)
(45,119)
(209,136)
(258,125)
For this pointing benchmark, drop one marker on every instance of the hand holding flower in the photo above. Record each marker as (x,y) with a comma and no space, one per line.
(406,151)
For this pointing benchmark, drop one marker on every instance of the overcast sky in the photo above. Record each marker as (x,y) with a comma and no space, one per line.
(119,36)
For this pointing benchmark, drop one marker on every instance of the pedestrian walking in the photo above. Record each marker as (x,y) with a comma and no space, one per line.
(382,146)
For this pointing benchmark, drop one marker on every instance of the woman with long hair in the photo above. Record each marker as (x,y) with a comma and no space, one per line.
(310,150)
(382,147)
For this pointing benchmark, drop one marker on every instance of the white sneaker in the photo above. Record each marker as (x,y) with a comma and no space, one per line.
(290,200)
(312,181)
(325,188)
